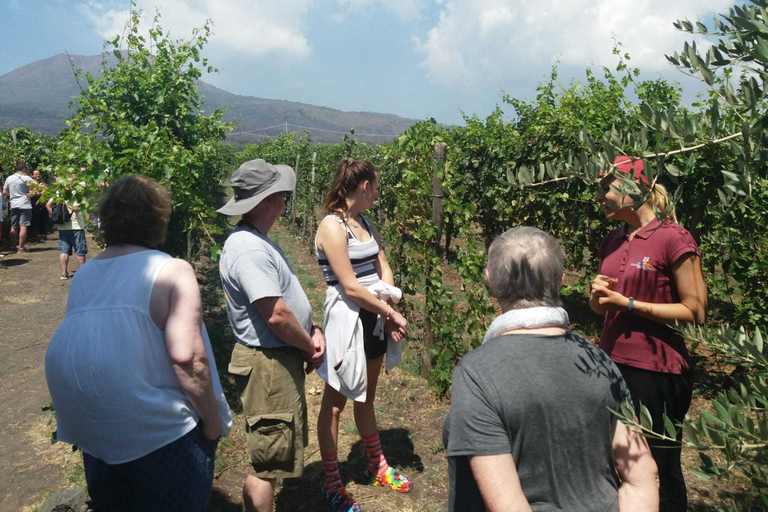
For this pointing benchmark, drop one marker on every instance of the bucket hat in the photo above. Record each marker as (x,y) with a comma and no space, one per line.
(255,180)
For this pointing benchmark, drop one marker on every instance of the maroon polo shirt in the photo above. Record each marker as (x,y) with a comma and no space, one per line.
(644,268)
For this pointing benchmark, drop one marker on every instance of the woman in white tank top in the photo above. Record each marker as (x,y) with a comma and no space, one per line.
(353,263)
(130,369)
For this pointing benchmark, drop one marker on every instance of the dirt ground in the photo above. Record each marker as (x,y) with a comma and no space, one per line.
(32,304)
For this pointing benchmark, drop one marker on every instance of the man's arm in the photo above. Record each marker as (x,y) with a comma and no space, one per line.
(639,491)
(496,476)
(286,327)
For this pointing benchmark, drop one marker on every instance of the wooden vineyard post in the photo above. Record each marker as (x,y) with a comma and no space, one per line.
(293,199)
(309,204)
(437,219)
(314,158)
(437,195)
(448,234)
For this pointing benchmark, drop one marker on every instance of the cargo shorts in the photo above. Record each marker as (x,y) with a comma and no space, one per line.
(271,387)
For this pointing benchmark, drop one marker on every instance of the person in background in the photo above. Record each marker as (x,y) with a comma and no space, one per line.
(130,369)
(361,327)
(2,215)
(39,225)
(650,278)
(2,209)
(271,319)
(71,235)
(16,188)
(530,425)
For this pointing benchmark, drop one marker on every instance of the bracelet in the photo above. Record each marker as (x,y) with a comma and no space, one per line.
(631,305)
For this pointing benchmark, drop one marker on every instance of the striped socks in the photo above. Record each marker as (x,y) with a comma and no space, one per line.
(377,464)
(331,470)
(381,473)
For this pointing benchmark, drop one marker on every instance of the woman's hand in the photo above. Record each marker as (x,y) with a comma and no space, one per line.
(602,286)
(395,326)
(608,299)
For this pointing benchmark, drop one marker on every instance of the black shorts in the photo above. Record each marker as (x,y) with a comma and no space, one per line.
(374,347)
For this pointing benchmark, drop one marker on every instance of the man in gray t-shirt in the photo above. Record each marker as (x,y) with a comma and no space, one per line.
(530,426)
(253,267)
(16,188)
(271,319)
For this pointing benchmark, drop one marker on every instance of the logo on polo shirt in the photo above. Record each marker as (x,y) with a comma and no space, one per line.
(645,264)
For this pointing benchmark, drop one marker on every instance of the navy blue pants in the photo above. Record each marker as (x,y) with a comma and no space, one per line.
(176,477)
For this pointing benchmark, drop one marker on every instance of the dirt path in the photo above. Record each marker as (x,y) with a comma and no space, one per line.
(32,303)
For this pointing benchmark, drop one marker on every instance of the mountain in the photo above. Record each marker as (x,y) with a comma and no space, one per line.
(38,95)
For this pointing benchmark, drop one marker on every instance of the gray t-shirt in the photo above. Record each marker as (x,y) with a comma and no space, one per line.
(253,267)
(545,400)
(16,185)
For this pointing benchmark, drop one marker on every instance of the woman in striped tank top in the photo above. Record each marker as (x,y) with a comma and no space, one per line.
(349,253)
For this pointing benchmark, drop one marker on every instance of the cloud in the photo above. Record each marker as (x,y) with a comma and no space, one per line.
(251,27)
(477,41)
(404,9)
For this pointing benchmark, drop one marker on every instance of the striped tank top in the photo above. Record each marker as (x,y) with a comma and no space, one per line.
(362,255)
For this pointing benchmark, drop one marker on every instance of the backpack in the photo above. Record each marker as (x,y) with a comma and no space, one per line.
(60,214)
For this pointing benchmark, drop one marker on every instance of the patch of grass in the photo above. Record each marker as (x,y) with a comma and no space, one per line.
(436,447)
(411,362)
(75,473)
(349,429)
(307,282)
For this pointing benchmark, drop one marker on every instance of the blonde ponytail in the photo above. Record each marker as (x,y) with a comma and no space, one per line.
(659,199)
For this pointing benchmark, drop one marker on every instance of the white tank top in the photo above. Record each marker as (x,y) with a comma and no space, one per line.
(109,374)
(362,255)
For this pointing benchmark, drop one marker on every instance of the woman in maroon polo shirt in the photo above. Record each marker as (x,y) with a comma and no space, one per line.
(650,277)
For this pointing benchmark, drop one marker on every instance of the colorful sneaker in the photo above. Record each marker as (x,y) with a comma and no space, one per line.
(340,501)
(392,479)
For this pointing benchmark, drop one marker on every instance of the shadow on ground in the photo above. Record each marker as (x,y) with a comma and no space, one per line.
(13,262)
(221,503)
(305,493)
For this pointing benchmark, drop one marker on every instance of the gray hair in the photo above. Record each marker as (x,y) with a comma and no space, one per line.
(525,268)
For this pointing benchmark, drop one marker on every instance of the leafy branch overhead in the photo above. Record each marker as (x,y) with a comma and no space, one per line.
(143,115)
(734,113)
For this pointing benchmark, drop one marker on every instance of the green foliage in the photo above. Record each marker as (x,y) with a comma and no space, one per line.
(22,146)
(143,116)
(735,425)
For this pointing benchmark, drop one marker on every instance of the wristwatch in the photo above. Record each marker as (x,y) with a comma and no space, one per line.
(631,305)
(315,326)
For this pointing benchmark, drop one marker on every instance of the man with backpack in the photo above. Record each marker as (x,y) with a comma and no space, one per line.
(69,222)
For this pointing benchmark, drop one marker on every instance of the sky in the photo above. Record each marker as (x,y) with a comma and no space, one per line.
(413,58)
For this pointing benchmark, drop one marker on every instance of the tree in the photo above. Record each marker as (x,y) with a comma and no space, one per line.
(144,115)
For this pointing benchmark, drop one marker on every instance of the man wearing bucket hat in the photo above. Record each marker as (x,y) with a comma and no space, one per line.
(272,322)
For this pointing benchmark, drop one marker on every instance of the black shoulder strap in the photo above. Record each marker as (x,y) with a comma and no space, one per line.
(367,224)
